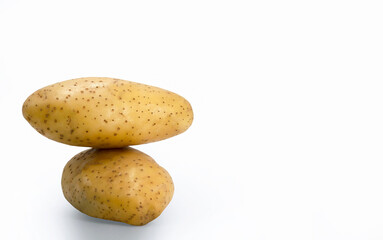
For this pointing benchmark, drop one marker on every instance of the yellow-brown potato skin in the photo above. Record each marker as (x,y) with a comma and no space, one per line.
(106,112)
(123,185)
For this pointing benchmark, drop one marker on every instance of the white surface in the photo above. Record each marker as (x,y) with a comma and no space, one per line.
(288,131)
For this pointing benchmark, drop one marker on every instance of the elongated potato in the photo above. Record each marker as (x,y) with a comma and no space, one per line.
(123,185)
(106,112)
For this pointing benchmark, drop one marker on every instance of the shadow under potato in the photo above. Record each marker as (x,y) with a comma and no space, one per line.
(83,217)
(85,227)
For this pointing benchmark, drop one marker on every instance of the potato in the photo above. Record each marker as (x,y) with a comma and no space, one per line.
(123,185)
(106,112)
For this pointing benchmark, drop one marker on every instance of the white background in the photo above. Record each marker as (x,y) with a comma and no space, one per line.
(287,95)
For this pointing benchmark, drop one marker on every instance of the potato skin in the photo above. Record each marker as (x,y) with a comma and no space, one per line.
(106,112)
(123,185)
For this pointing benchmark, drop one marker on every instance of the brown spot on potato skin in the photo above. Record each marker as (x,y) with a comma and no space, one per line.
(109,184)
(141,113)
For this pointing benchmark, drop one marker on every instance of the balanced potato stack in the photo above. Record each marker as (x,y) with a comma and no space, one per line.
(111,180)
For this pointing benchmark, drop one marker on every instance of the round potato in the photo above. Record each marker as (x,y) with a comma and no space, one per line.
(106,112)
(123,185)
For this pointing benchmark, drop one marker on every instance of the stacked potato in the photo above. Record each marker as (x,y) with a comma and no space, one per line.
(111,180)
